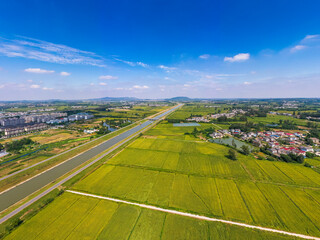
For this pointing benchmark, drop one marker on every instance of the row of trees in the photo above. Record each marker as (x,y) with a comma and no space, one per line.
(291,157)
(18,145)
(287,124)
(235,119)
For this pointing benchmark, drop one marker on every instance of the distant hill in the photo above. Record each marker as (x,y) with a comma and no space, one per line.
(116,99)
(179,99)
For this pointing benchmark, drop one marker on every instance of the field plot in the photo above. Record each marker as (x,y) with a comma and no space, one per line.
(275,119)
(244,201)
(231,200)
(78,217)
(164,168)
(197,158)
(294,219)
(279,172)
(167,130)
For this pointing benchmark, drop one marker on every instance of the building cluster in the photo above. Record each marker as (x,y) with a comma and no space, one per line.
(43,110)
(291,104)
(313,118)
(3,153)
(120,107)
(281,113)
(208,118)
(17,130)
(80,116)
(78,107)
(90,131)
(42,118)
(5,122)
(35,122)
(198,119)
(225,133)
(278,142)
(71,118)
(231,114)
(31,118)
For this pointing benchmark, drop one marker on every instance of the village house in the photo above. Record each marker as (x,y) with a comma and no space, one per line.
(315,141)
(306,148)
(216,135)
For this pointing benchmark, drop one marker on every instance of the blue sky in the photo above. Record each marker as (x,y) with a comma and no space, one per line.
(159,49)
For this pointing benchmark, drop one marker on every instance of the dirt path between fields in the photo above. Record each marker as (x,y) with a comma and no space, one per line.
(197,216)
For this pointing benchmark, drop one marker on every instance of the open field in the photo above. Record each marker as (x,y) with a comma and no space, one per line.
(197,177)
(165,130)
(229,199)
(199,109)
(135,113)
(76,217)
(275,119)
(209,159)
(169,169)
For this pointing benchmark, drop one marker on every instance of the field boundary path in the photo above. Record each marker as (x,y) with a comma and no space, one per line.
(25,189)
(195,216)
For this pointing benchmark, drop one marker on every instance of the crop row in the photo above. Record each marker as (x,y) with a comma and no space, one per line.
(74,217)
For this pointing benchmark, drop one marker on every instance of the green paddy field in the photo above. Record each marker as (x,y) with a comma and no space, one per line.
(166,168)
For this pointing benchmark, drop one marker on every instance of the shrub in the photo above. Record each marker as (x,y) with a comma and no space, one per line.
(232,154)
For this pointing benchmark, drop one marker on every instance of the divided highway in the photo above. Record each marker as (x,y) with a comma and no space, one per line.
(23,190)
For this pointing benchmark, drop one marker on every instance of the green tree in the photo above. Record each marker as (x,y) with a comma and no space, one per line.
(308,154)
(232,154)
(234,143)
(245,150)
(1,147)
(195,132)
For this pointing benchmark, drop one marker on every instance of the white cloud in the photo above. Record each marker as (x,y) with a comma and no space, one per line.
(223,75)
(204,56)
(92,84)
(247,83)
(35,86)
(30,80)
(166,68)
(38,70)
(108,77)
(46,88)
(102,84)
(142,64)
(2,86)
(140,87)
(65,74)
(297,48)
(47,52)
(238,58)
(312,36)
(209,76)
(133,64)
(119,89)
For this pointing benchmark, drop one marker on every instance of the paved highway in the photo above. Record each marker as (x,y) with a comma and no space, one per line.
(21,191)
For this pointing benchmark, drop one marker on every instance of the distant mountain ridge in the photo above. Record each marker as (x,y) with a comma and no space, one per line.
(112,99)
(179,99)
